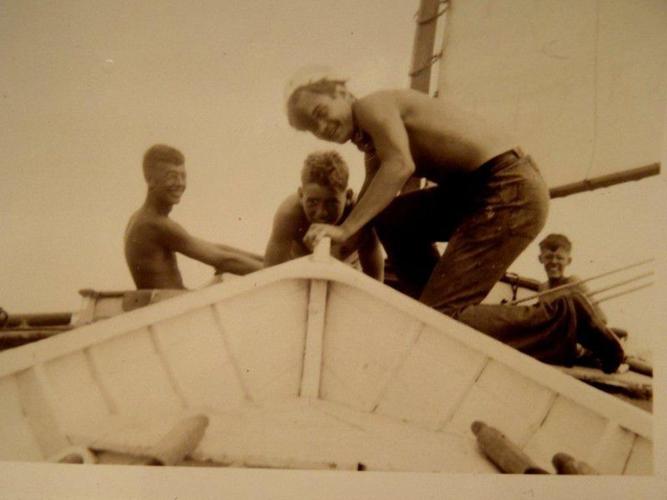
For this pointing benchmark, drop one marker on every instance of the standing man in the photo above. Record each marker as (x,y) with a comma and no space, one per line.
(322,198)
(490,202)
(152,238)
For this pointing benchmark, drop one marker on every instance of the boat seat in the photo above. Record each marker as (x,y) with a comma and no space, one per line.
(98,305)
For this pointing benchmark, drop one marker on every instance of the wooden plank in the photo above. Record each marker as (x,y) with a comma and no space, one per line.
(134,376)
(312,357)
(193,347)
(16,436)
(506,400)
(168,370)
(640,461)
(73,385)
(612,450)
(432,381)
(365,340)
(568,428)
(41,410)
(266,332)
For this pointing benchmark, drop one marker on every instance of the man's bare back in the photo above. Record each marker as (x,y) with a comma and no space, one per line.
(151,263)
(442,138)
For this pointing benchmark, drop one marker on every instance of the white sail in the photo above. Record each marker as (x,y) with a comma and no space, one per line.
(580,82)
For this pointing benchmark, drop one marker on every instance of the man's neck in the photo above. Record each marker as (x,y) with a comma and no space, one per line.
(157,206)
(554,282)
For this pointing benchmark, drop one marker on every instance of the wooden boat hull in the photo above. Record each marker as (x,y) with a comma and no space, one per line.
(306,365)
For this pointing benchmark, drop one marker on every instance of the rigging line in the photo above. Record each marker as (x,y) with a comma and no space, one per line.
(625,292)
(595,90)
(434,16)
(579,282)
(434,58)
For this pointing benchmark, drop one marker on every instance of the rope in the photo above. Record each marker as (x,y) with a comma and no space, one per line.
(426,66)
(434,16)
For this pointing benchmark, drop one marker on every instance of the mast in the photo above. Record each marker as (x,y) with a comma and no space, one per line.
(423,56)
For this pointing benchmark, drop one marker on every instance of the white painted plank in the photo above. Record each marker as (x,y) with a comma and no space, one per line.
(613,450)
(194,349)
(266,331)
(365,340)
(17,441)
(41,411)
(568,428)
(79,397)
(432,380)
(504,399)
(312,358)
(326,435)
(641,458)
(130,369)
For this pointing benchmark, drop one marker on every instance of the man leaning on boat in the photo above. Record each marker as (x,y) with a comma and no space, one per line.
(323,197)
(489,202)
(152,238)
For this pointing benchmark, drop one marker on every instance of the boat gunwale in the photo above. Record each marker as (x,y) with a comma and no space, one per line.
(306,268)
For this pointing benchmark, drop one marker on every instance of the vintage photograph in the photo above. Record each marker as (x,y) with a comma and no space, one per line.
(419,236)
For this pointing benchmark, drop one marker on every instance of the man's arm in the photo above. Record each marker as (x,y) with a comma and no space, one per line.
(283,236)
(380,116)
(371,256)
(174,237)
(250,255)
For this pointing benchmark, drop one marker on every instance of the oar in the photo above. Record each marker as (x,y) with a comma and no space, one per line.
(620,283)
(577,283)
(624,292)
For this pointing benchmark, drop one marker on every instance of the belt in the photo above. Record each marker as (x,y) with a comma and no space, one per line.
(509,155)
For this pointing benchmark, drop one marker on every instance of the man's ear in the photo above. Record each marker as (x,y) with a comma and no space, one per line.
(569,260)
(299,191)
(540,257)
(349,196)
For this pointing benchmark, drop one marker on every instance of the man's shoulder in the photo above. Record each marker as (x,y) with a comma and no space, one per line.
(290,208)
(146,224)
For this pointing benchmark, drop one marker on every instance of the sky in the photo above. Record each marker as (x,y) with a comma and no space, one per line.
(87,87)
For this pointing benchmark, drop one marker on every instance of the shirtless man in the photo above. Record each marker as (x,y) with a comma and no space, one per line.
(489,203)
(152,238)
(324,198)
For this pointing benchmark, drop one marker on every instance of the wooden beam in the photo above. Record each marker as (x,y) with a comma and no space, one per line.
(312,356)
(634,174)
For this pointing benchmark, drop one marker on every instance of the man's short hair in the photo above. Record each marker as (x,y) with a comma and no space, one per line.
(326,168)
(161,153)
(555,241)
(323,86)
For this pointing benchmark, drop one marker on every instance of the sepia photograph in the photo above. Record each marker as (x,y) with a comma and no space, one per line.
(318,249)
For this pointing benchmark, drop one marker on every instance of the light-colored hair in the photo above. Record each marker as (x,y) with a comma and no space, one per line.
(161,153)
(555,241)
(326,168)
(324,86)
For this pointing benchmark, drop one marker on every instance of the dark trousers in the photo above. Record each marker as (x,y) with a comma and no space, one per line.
(488,218)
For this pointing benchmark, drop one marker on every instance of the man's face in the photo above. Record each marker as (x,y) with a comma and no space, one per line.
(329,118)
(168,182)
(555,261)
(323,204)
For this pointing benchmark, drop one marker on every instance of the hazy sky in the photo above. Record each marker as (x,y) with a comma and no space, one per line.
(86,87)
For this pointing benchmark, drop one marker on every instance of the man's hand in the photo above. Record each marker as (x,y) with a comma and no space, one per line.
(318,231)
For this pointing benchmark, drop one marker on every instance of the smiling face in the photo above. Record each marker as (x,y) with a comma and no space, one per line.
(323,204)
(555,260)
(167,182)
(328,117)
